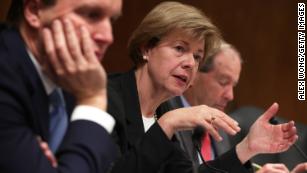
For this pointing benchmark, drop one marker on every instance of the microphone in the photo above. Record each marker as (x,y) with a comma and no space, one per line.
(197,136)
(198,133)
(274,121)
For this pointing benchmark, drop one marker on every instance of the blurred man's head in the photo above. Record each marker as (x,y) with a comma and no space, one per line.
(216,79)
(95,15)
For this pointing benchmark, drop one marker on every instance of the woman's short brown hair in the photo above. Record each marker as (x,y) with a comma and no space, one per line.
(165,18)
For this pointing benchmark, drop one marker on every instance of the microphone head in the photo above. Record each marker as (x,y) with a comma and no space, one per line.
(198,133)
(273,121)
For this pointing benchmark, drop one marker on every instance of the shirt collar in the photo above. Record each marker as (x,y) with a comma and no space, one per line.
(184,101)
(49,85)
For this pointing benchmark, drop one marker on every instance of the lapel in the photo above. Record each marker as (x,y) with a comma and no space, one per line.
(223,146)
(135,128)
(38,98)
(70,103)
(169,105)
(40,106)
(184,137)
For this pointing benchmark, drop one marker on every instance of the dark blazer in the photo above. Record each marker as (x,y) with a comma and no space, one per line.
(140,152)
(149,152)
(24,115)
(246,116)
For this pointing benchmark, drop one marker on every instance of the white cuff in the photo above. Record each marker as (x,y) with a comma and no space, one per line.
(90,113)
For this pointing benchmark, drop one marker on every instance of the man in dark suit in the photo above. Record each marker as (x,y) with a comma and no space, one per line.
(214,87)
(53,48)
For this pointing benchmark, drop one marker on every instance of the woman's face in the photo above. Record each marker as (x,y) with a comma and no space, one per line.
(173,63)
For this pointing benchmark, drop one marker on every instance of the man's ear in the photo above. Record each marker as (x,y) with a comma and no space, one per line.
(31,13)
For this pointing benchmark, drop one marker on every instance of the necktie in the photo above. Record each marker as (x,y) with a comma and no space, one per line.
(58,119)
(206,147)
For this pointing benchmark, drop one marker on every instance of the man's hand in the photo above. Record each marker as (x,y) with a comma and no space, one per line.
(273,168)
(47,152)
(188,118)
(72,64)
(281,168)
(264,137)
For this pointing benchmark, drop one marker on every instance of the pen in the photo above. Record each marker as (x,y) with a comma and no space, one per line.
(256,166)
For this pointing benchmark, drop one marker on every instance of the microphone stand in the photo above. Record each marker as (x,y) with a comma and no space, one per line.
(196,137)
(274,121)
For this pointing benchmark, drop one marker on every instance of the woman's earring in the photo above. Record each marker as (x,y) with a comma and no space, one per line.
(145,57)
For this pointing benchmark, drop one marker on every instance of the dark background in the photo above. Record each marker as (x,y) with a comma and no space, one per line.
(265,32)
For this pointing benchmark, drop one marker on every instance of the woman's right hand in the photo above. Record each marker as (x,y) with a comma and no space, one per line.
(207,117)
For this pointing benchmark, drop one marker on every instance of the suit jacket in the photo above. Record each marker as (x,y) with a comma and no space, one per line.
(149,152)
(246,116)
(24,115)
